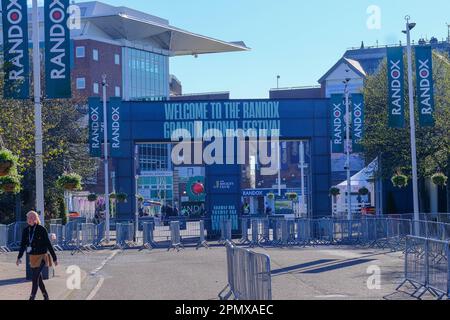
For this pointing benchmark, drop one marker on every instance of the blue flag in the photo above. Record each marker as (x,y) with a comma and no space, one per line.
(425,90)
(396,85)
(337,110)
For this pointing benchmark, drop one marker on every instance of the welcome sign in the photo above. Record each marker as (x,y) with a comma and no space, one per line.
(357,121)
(337,123)
(57,49)
(396,76)
(425,90)
(15,43)
(95,127)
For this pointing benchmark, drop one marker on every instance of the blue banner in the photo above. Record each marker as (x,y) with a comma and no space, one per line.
(57,49)
(357,121)
(95,127)
(15,49)
(425,90)
(115,126)
(337,123)
(396,87)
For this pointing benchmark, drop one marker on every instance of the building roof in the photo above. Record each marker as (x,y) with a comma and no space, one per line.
(123,23)
(352,64)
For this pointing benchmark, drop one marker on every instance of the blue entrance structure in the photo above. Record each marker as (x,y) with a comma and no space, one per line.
(154,122)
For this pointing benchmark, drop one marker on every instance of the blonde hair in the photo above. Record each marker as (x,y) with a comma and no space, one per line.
(36,216)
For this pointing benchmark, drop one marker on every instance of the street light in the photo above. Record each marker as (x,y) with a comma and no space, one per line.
(278,81)
(409,27)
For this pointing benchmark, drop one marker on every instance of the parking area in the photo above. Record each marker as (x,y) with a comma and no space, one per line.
(297,273)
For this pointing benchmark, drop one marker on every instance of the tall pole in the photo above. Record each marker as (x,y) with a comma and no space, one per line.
(302,172)
(105,159)
(409,27)
(38,136)
(136,187)
(347,128)
(279,168)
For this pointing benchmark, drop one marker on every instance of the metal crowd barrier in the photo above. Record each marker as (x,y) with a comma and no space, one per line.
(244,230)
(124,235)
(4,238)
(57,237)
(432,230)
(260,231)
(427,267)
(225,231)
(249,275)
(175,236)
(100,234)
(148,241)
(15,231)
(202,241)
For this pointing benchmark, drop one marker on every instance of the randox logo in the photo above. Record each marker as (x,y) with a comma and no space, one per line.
(337,123)
(57,38)
(357,121)
(396,86)
(15,40)
(115,125)
(95,128)
(425,89)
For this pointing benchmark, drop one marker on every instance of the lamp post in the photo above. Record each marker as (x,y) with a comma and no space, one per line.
(278,81)
(105,160)
(347,165)
(409,27)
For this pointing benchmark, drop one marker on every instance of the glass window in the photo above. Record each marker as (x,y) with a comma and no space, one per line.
(117,91)
(81,83)
(117,59)
(80,52)
(96,88)
(95,55)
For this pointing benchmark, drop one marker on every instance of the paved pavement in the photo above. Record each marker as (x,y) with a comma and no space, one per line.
(309,273)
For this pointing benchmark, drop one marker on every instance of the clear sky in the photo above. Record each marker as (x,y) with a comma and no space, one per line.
(297,39)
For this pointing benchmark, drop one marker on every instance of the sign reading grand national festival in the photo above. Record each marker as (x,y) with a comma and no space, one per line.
(396,76)
(337,123)
(15,42)
(357,121)
(57,49)
(425,90)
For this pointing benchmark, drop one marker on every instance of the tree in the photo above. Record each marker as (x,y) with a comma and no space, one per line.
(433,144)
(65,147)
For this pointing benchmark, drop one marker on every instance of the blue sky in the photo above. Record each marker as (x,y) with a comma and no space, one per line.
(297,39)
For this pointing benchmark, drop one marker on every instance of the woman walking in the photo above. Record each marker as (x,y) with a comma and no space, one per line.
(36,243)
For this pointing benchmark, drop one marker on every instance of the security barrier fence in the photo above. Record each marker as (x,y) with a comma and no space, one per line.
(249,275)
(427,267)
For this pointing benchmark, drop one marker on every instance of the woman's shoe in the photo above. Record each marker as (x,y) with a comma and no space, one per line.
(46,296)
(32,298)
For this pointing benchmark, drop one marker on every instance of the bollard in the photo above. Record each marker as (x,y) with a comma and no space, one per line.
(175,236)
(202,242)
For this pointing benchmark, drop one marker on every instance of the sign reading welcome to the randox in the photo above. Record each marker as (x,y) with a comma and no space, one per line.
(425,90)
(337,123)
(396,76)
(95,127)
(15,48)
(357,121)
(57,49)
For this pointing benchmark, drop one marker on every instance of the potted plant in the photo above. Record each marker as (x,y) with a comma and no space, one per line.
(270,196)
(439,179)
(7,162)
(92,197)
(121,197)
(112,196)
(292,196)
(334,191)
(363,191)
(399,180)
(140,198)
(69,182)
(10,184)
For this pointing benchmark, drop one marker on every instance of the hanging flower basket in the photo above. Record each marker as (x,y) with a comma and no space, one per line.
(92,197)
(363,191)
(400,181)
(69,182)
(7,162)
(112,196)
(10,184)
(439,179)
(140,198)
(270,196)
(121,197)
(334,191)
(292,196)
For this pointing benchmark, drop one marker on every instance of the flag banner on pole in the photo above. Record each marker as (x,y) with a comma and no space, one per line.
(57,49)
(425,90)
(15,49)
(95,127)
(337,123)
(396,85)
(357,121)
(115,126)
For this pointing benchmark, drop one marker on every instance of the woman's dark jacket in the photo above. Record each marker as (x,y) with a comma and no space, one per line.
(40,243)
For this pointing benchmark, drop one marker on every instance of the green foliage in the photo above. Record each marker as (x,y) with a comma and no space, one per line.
(439,179)
(140,198)
(400,180)
(121,197)
(8,162)
(393,145)
(334,191)
(292,196)
(363,191)
(10,184)
(92,197)
(270,196)
(69,181)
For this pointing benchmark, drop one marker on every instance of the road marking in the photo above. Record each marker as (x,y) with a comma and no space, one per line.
(96,289)
(102,265)
(332,296)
